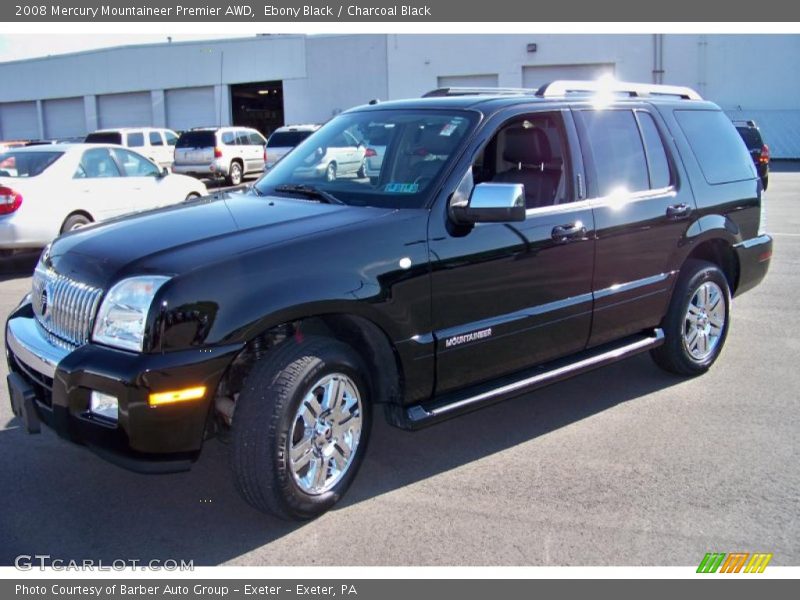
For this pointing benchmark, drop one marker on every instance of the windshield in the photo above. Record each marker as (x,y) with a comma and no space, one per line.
(339,158)
(26,164)
(287,139)
(104,137)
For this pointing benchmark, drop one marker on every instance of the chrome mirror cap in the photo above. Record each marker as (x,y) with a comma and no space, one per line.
(491,203)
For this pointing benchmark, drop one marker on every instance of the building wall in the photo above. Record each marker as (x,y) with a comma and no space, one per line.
(341,72)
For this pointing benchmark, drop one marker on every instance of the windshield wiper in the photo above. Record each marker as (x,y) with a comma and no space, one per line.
(310,192)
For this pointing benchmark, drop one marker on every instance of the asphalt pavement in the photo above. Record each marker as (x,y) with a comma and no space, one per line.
(627,465)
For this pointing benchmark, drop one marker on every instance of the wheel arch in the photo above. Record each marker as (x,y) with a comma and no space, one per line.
(720,252)
(364,336)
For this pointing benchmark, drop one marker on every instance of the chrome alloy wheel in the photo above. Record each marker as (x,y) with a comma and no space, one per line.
(325,435)
(704,322)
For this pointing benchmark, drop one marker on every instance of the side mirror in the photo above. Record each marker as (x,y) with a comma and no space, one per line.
(491,203)
(163,173)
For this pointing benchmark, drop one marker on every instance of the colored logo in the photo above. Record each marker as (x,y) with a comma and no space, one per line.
(735,562)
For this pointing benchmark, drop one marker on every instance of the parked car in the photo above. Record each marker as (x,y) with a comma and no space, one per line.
(377,138)
(220,152)
(49,190)
(157,144)
(759,151)
(513,239)
(343,156)
(284,139)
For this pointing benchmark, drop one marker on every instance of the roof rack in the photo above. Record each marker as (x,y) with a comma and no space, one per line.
(560,88)
(476,91)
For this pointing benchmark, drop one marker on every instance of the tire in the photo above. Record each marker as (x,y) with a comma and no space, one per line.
(362,171)
(275,415)
(690,322)
(191,196)
(330,172)
(234,174)
(74,222)
(765,182)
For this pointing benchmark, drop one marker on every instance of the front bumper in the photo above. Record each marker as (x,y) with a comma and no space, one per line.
(146,439)
(754,256)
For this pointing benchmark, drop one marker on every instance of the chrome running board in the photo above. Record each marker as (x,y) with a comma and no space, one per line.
(427,413)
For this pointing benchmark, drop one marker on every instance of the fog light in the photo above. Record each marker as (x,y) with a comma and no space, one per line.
(104,405)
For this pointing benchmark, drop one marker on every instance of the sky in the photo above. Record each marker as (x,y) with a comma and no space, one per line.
(18,47)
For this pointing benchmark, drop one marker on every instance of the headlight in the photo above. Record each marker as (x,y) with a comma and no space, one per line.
(121,319)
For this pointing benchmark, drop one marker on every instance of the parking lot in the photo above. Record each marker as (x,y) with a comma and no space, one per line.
(623,466)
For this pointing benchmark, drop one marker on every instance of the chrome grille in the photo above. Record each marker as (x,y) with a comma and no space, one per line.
(65,308)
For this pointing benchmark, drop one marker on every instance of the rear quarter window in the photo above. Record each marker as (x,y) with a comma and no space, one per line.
(717,146)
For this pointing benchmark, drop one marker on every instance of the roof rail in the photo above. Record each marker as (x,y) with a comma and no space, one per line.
(561,88)
(476,91)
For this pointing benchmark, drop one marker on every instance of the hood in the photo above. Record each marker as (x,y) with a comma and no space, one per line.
(181,238)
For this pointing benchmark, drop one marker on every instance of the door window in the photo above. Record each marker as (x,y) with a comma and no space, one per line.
(134,165)
(135,139)
(657,161)
(172,139)
(242,138)
(97,163)
(228,138)
(155,139)
(529,150)
(256,139)
(612,140)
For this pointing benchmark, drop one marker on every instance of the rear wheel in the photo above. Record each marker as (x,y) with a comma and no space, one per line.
(235,174)
(300,427)
(697,322)
(74,222)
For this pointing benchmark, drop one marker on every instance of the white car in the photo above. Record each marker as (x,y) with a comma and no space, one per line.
(343,158)
(156,144)
(284,139)
(48,190)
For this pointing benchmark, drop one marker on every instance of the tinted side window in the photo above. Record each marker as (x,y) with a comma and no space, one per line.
(242,138)
(656,155)
(134,165)
(719,150)
(97,162)
(228,138)
(171,138)
(616,149)
(135,140)
(256,140)
(155,139)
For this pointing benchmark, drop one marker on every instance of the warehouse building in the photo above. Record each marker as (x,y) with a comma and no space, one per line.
(270,80)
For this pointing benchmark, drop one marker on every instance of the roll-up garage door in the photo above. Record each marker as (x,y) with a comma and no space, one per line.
(190,107)
(18,121)
(534,77)
(468,81)
(125,110)
(64,118)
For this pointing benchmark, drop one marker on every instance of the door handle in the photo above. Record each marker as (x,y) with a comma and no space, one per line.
(678,211)
(573,231)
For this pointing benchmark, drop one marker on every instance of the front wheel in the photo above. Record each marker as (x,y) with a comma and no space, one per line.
(300,427)
(697,322)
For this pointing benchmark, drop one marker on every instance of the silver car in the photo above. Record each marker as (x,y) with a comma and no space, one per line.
(220,152)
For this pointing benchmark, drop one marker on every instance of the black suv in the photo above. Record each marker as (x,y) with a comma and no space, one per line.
(758,150)
(511,239)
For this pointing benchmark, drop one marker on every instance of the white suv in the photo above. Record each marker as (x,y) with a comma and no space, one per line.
(285,138)
(229,152)
(155,143)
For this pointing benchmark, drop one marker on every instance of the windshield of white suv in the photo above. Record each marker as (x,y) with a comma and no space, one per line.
(339,163)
